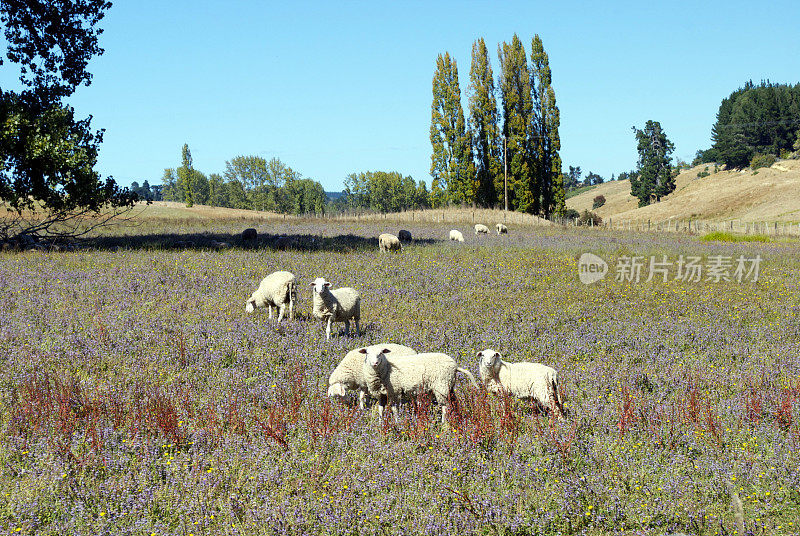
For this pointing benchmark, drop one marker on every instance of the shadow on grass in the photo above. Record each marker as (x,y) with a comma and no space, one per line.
(221,241)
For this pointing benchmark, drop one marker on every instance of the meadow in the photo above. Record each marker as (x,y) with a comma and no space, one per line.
(137,396)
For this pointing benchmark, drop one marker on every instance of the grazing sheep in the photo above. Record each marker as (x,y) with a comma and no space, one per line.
(522,380)
(404,236)
(456,236)
(388,379)
(501,229)
(481,229)
(338,305)
(389,242)
(249,234)
(349,373)
(275,290)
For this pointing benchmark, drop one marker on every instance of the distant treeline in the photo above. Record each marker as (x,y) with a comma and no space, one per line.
(381,191)
(754,121)
(248,182)
(254,183)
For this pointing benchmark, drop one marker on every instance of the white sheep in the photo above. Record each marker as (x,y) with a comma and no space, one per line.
(276,290)
(522,380)
(389,242)
(456,236)
(340,305)
(481,229)
(501,229)
(349,374)
(404,236)
(388,379)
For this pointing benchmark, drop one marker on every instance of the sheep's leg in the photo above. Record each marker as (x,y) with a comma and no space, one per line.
(347,327)
(328,329)
(358,334)
(269,307)
(362,400)
(395,413)
(291,309)
(280,312)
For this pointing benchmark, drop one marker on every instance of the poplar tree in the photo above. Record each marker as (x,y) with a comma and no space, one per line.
(548,184)
(483,124)
(452,168)
(515,93)
(186,175)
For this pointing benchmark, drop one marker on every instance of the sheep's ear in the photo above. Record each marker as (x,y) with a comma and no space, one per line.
(479,354)
(362,350)
(312,283)
(384,351)
(327,284)
(497,355)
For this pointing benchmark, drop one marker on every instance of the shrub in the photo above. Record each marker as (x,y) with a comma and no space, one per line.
(571,214)
(589,218)
(598,202)
(762,160)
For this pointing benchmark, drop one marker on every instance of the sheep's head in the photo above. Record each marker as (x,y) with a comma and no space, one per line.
(319,285)
(374,357)
(489,359)
(337,389)
(251,305)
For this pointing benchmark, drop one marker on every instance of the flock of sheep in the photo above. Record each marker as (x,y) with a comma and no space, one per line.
(390,242)
(390,372)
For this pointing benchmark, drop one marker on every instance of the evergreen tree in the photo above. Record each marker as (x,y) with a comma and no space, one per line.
(484,128)
(548,186)
(655,178)
(186,175)
(573,178)
(515,93)
(146,191)
(754,120)
(452,167)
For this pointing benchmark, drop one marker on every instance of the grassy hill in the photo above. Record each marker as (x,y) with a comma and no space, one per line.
(768,194)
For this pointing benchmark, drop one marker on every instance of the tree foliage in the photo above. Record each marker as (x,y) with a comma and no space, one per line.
(593,179)
(517,105)
(452,168)
(382,191)
(573,177)
(186,176)
(527,144)
(655,178)
(47,176)
(249,182)
(754,120)
(484,129)
(548,186)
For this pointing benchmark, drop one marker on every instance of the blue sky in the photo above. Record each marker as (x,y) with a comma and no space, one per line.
(333,88)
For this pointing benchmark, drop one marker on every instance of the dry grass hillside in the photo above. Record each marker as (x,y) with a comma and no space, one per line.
(768,194)
(171,211)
